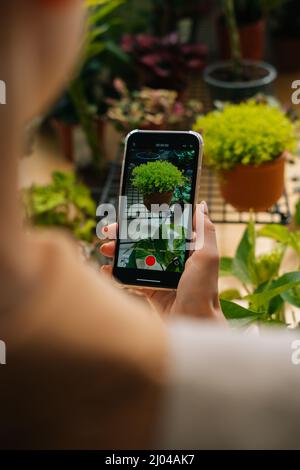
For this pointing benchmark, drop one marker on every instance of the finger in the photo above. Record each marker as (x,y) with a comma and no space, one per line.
(110,231)
(147,292)
(201,208)
(201,226)
(108,249)
(107,270)
(205,233)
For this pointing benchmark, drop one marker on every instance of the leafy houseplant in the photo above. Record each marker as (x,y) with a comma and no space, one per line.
(150,109)
(62,203)
(245,143)
(268,291)
(237,79)
(164,62)
(83,102)
(157,181)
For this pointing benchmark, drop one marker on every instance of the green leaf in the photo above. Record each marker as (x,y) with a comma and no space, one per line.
(280,286)
(230,294)
(268,264)
(63,180)
(85,231)
(275,231)
(226,268)
(81,197)
(103,10)
(276,305)
(96,32)
(232,310)
(94,49)
(244,260)
(63,202)
(292,296)
(117,52)
(281,234)
(43,203)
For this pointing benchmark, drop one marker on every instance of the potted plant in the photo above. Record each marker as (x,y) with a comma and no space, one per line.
(264,289)
(156,181)
(164,62)
(286,36)
(150,109)
(83,104)
(62,203)
(237,79)
(246,144)
(251,21)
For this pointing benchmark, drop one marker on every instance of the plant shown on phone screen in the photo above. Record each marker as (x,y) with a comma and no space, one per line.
(157,177)
(169,252)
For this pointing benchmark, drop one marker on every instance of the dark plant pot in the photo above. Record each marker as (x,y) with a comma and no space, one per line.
(252,38)
(254,187)
(157,198)
(237,91)
(286,53)
(64,134)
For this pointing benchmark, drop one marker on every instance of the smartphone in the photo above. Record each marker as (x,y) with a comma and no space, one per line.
(158,190)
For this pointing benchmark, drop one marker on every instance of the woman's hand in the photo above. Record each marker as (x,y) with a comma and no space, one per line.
(197,292)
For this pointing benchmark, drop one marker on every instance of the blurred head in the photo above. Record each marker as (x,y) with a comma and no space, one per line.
(39,43)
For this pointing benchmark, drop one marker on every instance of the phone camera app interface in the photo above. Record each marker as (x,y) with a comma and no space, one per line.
(155,214)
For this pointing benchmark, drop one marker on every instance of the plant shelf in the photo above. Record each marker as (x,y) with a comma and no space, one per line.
(220,212)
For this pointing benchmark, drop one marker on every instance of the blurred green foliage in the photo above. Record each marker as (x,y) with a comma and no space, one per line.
(62,203)
(268,290)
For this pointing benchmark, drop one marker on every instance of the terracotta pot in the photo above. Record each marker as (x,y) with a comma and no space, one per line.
(252,38)
(157,198)
(66,136)
(254,187)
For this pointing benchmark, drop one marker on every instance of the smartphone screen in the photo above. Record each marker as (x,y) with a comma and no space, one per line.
(158,187)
